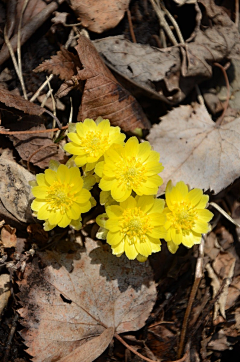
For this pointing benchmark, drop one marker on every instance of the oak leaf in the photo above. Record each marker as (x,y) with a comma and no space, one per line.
(73,303)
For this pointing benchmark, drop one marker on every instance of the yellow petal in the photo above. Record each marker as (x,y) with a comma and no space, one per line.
(200,227)
(145,202)
(194,196)
(112,224)
(114,238)
(203,202)
(118,249)
(130,203)
(130,251)
(158,206)
(106,184)
(131,147)
(99,168)
(55,217)
(182,187)
(120,193)
(41,192)
(104,126)
(63,173)
(74,211)
(172,247)
(51,176)
(157,219)
(43,213)
(205,215)
(153,168)
(37,204)
(74,149)
(144,151)
(157,232)
(85,207)
(80,160)
(144,248)
(40,178)
(83,196)
(114,211)
(75,138)
(65,221)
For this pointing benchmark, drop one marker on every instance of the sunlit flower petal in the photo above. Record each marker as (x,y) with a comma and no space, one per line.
(130,167)
(186,218)
(133,229)
(62,199)
(91,140)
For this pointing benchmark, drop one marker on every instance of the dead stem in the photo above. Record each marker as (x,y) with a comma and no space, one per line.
(131,26)
(38,150)
(198,277)
(219,121)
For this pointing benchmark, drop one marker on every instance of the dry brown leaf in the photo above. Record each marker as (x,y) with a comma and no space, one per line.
(102,95)
(100,15)
(173,72)
(14,101)
(5,291)
(64,64)
(26,145)
(8,236)
(77,298)
(15,192)
(195,150)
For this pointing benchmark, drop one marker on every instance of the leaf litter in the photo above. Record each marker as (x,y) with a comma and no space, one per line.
(114,296)
(78,300)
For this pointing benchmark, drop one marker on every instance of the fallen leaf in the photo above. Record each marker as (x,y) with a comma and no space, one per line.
(14,101)
(195,150)
(8,236)
(5,291)
(101,15)
(102,94)
(28,145)
(64,64)
(171,73)
(77,299)
(15,192)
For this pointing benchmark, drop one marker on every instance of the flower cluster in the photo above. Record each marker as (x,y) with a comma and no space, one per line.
(135,220)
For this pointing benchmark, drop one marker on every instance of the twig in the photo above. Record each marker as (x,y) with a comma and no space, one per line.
(19,48)
(237,13)
(40,88)
(9,46)
(132,349)
(181,359)
(164,23)
(198,277)
(30,28)
(131,26)
(217,207)
(32,132)
(174,23)
(38,150)
(219,121)
(10,337)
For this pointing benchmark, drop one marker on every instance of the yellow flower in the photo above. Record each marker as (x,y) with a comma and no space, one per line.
(60,197)
(186,217)
(91,140)
(134,227)
(132,167)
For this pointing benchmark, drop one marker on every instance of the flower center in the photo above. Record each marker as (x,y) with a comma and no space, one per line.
(135,224)
(95,143)
(60,197)
(130,172)
(183,217)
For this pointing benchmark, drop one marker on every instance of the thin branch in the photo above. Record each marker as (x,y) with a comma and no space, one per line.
(237,13)
(219,121)
(40,88)
(164,23)
(198,277)
(131,26)
(32,132)
(38,150)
